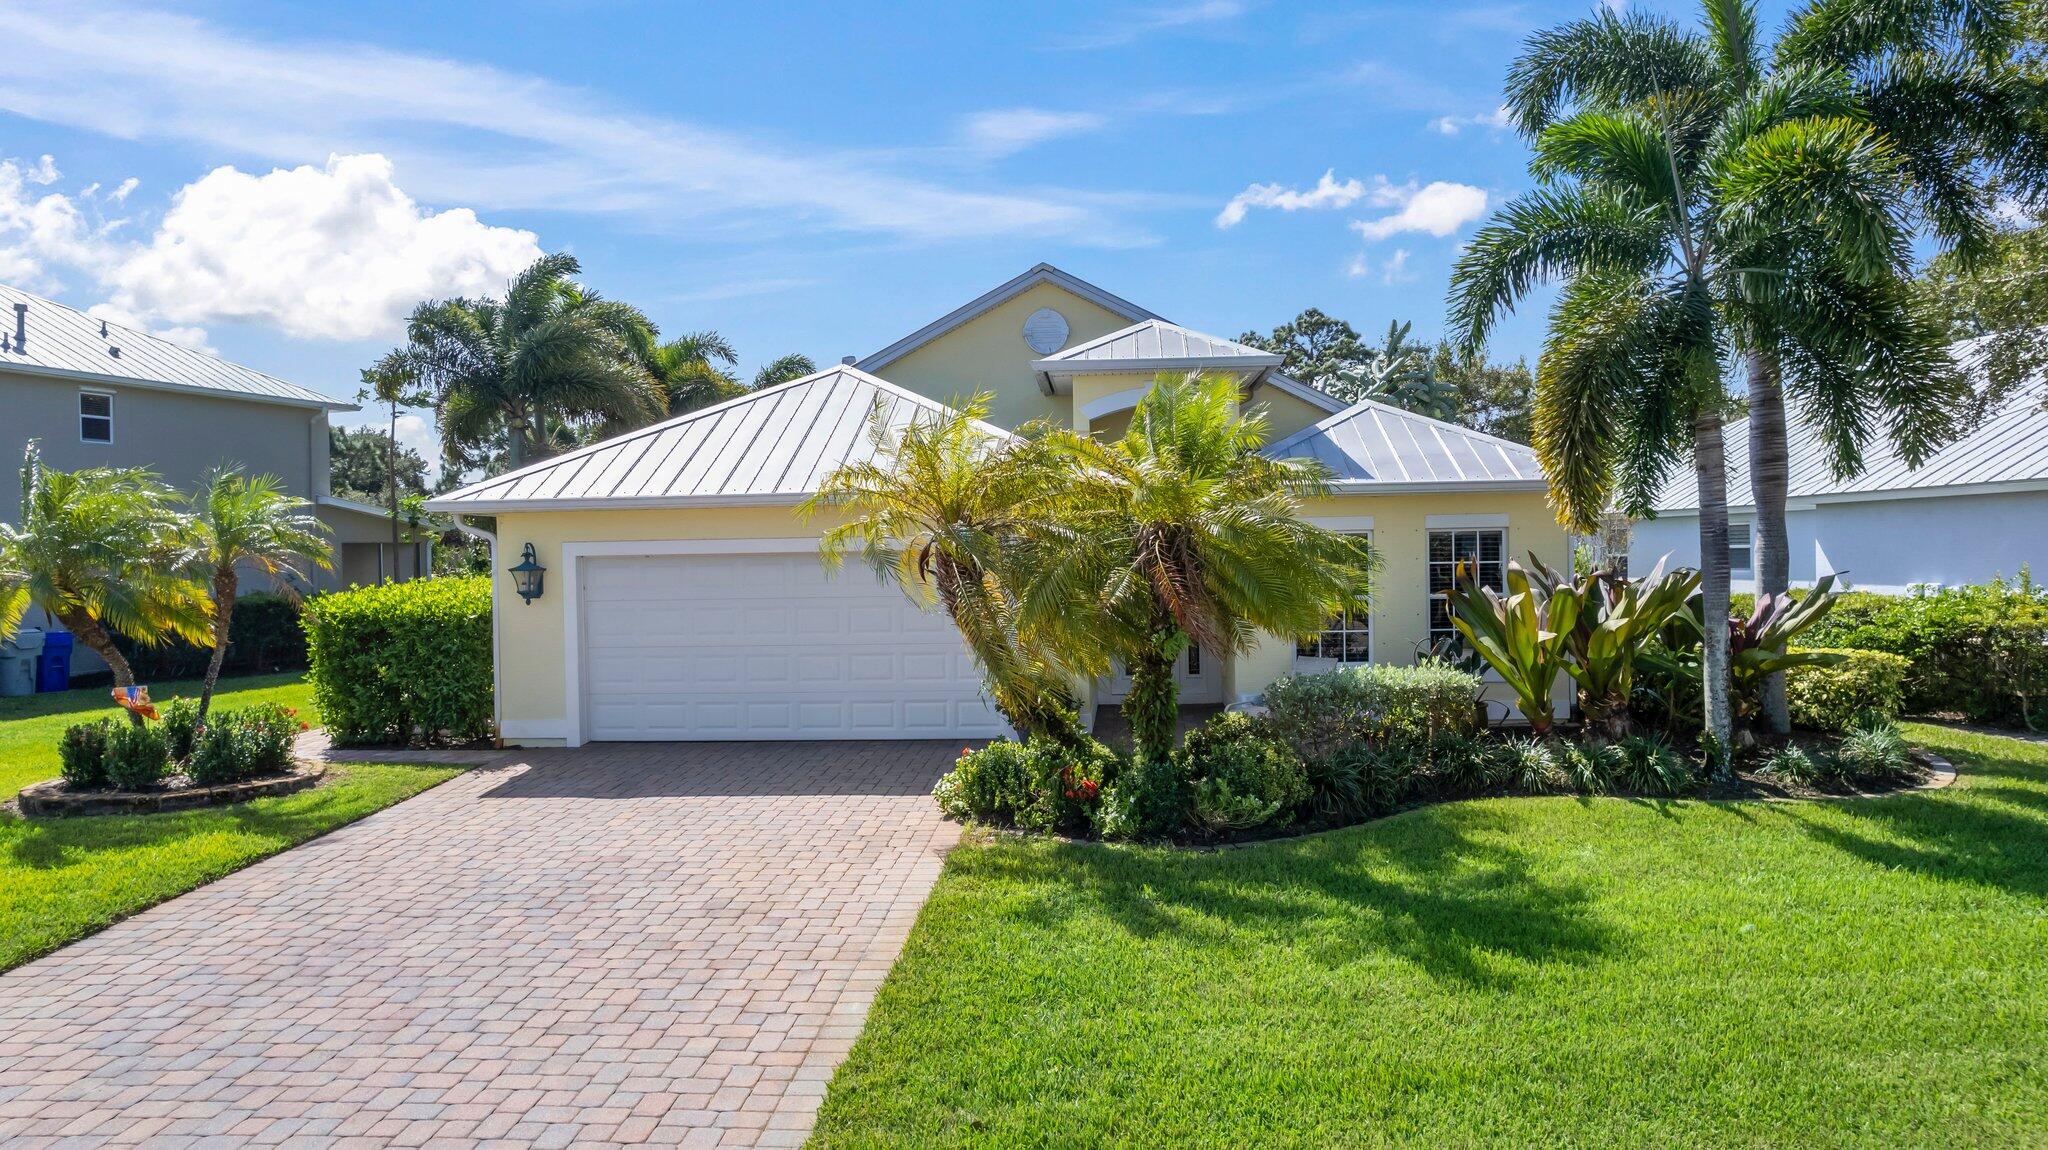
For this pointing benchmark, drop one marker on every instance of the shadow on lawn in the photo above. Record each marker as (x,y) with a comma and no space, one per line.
(1992,830)
(1420,886)
(53,843)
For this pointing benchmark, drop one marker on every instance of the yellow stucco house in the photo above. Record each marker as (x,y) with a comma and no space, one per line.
(683,598)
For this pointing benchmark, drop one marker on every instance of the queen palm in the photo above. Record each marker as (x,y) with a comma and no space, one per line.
(1937,83)
(784,368)
(239,521)
(1691,223)
(1180,532)
(105,551)
(941,511)
(549,352)
(689,372)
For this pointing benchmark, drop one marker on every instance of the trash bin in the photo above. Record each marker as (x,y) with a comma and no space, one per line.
(53,666)
(18,662)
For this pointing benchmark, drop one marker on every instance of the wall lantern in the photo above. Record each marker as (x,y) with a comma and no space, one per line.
(526,577)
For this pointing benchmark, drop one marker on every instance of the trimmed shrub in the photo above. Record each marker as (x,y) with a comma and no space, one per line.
(1239,775)
(137,758)
(265,635)
(1319,715)
(1526,765)
(1831,698)
(1874,752)
(1647,764)
(226,753)
(83,754)
(179,720)
(1979,650)
(273,730)
(403,663)
(1040,785)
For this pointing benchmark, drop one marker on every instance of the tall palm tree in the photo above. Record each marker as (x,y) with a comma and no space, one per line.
(104,550)
(1180,532)
(550,351)
(689,371)
(941,510)
(1691,222)
(243,521)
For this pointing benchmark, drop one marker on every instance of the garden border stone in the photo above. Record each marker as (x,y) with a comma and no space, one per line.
(53,798)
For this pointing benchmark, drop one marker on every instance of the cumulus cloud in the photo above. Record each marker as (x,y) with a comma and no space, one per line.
(1497,120)
(332,252)
(1007,131)
(1328,192)
(1438,208)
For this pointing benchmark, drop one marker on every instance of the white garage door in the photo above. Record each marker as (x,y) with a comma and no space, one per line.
(767,647)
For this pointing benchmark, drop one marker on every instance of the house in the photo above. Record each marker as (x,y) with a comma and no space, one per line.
(684,599)
(1976,510)
(95,393)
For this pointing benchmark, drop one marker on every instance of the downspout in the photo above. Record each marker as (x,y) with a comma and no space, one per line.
(497,621)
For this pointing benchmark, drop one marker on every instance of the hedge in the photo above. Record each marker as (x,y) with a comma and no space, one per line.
(405,663)
(1980,650)
(266,635)
(1830,698)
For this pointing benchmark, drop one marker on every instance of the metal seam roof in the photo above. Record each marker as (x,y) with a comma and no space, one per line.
(1000,294)
(1156,339)
(66,343)
(1371,444)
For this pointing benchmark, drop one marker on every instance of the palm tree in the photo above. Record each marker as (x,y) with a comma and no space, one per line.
(391,381)
(688,371)
(940,511)
(103,550)
(795,365)
(1690,223)
(549,352)
(1180,532)
(237,521)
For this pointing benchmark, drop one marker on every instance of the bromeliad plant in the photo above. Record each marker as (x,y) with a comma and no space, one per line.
(1523,635)
(1761,645)
(1617,618)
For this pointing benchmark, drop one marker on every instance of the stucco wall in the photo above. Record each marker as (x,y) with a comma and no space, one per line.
(988,353)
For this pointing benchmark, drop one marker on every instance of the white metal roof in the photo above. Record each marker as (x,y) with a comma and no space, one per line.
(66,343)
(770,446)
(1371,446)
(1001,293)
(1155,344)
(2009,448)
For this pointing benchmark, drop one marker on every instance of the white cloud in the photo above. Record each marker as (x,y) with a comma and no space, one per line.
(415,432)
(473,134)
(1438,208)
(1395,270)
(335,252)
(1328,192)
(45,172)
(1134,26)
(1497,120)
(1358,268)
(1009,130)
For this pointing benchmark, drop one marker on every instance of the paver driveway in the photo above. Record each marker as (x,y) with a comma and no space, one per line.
(657,943)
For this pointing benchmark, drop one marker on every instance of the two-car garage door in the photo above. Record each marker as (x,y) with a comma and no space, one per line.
(767,647)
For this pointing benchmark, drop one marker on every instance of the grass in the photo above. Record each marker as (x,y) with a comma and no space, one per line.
(1504,972)
(30,725)
(63,879)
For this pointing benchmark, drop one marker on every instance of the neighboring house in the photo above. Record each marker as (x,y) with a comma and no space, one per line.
(684,598)
(98,394)
(1976,510)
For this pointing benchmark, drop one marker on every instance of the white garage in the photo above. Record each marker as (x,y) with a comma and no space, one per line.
(766,646)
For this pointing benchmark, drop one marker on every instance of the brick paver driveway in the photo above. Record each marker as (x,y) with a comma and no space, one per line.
(657,943)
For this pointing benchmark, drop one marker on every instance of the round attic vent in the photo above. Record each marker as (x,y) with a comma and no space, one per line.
(1045,331)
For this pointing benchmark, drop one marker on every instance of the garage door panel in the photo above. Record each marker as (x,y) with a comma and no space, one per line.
(767,647)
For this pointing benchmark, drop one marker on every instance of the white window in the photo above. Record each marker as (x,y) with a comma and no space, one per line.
(1347,637)
(1480,553)
(1741,549)
(95,417)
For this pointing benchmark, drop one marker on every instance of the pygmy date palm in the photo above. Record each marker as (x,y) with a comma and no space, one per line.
(238,521)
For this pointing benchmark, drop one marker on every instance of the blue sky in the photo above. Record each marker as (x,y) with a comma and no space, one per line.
(817,178)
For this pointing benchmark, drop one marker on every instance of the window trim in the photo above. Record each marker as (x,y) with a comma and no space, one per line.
(82,417)
(1472,523)
(1360,526)
(1748,531)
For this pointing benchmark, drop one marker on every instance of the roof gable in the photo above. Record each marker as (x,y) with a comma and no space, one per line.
(1372,445)
(65,343)
(1042,273)
(1156,344)
(769,446)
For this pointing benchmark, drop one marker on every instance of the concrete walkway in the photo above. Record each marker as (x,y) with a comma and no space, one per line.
(670,944)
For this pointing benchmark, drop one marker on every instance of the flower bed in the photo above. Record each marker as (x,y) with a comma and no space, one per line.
(166,759)
(57,798)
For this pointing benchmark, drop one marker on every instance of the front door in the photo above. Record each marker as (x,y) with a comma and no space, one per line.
(1197,671)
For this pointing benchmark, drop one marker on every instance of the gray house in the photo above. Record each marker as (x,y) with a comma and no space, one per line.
(99,394)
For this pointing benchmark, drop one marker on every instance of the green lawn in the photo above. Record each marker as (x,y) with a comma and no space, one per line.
(62,879)
(1550,971)
(30,725)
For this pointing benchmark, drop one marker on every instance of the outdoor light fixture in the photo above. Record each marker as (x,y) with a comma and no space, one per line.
(526,577)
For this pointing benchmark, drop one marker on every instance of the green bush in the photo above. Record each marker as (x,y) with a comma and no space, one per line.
(1319,715)
(1239,775)
(1040,785)
(1587,770)
(1647,765)
(1980,650)
(1792,764)
(403,662)
(265,635)
(1526,765)
(1457,763)
(226,753)
(1361,781)
(179,719)
(82,754)
(1829,698)
(1874,752)
(137,758)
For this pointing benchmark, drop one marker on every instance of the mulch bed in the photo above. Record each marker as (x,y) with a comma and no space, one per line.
(54,798)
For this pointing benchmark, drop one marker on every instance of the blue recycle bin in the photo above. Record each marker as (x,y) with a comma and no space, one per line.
(53,663)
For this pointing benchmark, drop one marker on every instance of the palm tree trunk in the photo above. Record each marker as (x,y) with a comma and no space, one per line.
(1710,466)
(87,630)
(390,477)
(225,583)
(1769,479)
(1152,706)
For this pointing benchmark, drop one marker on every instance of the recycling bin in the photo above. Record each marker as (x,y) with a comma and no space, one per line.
(53,665)
(18,662)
